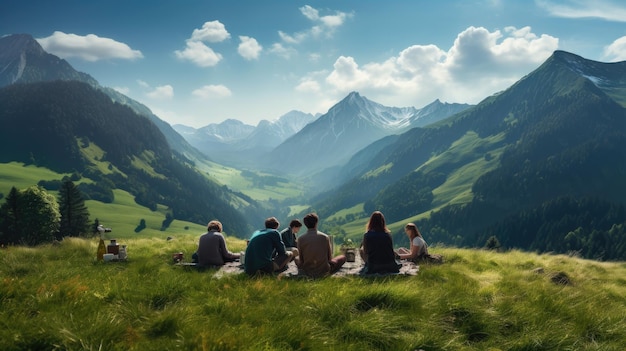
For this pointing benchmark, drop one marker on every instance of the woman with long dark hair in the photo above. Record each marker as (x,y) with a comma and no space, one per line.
(377,247)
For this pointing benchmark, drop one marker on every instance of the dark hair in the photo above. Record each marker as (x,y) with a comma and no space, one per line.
(377,223)
(295,223)
(310,220)
(272,223)
(214,225)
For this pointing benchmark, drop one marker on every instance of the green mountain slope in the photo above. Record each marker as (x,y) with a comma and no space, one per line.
(68,126)
(550,144)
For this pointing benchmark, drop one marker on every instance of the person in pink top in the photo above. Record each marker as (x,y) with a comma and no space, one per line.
(316,258)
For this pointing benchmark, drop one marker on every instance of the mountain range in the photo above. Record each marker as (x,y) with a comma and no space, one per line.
(314,143)
(234,143)
(539,166)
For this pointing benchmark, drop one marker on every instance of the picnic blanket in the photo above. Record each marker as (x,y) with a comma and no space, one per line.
(348,269)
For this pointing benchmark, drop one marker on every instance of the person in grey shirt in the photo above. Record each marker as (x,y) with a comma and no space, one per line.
(212,249)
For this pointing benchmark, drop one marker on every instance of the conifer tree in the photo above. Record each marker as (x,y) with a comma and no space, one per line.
(29,217)
(74,213)
(8,218)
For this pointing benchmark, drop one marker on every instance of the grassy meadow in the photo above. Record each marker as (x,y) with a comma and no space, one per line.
(58,297)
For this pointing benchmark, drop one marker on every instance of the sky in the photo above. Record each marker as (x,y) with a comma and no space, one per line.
(198,62)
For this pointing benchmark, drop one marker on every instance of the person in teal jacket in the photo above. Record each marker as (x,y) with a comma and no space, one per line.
(266,253)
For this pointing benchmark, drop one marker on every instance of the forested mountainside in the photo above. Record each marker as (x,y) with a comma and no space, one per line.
(54,124)
(23,60)
(533,165)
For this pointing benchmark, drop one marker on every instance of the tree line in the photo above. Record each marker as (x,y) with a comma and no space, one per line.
(33,216)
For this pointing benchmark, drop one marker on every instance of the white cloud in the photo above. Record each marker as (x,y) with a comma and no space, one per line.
(213,32)
(308,86)
(282,51)
(479,64)
(310,13)
(143,84)
(249,48)
(89,47)
(161,92)
(602,9)
(616,51)
(199,54)
(212,91)
(323,27)
(291,39)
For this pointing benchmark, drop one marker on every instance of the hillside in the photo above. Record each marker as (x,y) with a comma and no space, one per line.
(529,165)
(24,61)
(477,300)
(68,126)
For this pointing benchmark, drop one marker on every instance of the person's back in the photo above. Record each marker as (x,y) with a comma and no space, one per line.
(420,243)
(261,250)
(316,258)
(378,250)
(209,253)
(212,249)
(380,255)
(288,235)
(314,248)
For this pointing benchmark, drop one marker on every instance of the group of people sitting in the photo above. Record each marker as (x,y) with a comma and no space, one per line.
(269,251)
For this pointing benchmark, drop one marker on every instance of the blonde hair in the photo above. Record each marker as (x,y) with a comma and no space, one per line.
(413,229)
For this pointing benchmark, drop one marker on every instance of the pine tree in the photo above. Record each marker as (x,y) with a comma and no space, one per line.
(74,213)
(8,218)
(29,217)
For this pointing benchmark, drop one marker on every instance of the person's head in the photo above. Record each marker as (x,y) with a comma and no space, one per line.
(377,223)
(295,225)
(214,226)
(272,223)
(310,220)
(411,230)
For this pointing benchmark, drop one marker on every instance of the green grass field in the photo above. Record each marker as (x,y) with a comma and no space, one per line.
(60,298)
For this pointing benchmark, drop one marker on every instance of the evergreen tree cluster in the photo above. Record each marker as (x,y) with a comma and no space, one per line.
(33,216)
(50,122)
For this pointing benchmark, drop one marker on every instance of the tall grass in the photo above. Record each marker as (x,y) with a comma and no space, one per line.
(57,297)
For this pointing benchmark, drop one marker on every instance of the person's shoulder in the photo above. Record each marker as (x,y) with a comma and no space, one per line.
(322,234)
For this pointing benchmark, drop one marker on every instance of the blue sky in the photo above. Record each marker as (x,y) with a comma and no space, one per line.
(200,62)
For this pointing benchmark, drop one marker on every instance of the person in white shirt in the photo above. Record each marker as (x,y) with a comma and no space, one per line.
(418,248)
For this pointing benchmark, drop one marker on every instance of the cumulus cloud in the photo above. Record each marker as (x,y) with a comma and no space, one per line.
(197,51)
(213,32)
(89,47)
(616,51)
(199,54)
(212,92)
(479,63)
(161,92)
(249,48)
(602,9)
